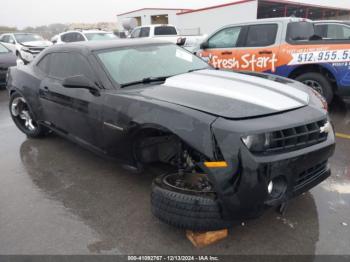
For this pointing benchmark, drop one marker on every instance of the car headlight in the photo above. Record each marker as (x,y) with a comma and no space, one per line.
(24,48)
(323,101)
(257,143)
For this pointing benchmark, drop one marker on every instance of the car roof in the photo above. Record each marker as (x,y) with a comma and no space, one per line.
(155,25)
(105,44)
(85,31)
(332,22)
(268,20)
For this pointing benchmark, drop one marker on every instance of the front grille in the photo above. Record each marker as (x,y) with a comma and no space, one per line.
(297,137)
(310,175)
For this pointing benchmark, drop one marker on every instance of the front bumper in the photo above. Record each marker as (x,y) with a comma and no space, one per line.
(242,187)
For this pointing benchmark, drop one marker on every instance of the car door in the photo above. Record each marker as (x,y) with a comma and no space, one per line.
(259,51)
(73,111)
(220,51)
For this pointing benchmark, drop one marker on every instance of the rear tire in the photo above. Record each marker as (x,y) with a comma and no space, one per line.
(185,209)
(319,83)
(22,116)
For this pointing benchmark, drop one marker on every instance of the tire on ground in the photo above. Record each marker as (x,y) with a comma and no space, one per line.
(322,80)
(39,132)
(183,210)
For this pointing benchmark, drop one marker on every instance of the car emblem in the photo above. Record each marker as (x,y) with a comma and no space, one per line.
(326,128)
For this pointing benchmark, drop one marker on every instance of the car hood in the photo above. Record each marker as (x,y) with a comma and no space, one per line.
(228,94)
(7,59)
(37,43)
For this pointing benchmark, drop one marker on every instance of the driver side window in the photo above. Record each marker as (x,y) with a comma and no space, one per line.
(64,65)
(136,33)
(225,38)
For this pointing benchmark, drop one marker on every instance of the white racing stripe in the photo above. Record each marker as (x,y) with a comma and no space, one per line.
(235,89)
(282,88)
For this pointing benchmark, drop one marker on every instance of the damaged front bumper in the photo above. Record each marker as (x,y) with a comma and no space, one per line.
(252,183)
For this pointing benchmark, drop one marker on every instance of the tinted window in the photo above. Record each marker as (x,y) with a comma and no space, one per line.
(136,63)
(333,31)
(261,35)
(72,37)
(226,38)
(136,33)
(300,31)
(165,30)
(321,30)
(145,32)
(44,64)
(63,65)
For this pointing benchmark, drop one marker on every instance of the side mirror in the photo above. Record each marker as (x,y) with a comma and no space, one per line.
(204,45)
(80,81)
(181,41)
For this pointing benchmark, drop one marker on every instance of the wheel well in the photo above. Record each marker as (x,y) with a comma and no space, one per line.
(160,145)
(314,69)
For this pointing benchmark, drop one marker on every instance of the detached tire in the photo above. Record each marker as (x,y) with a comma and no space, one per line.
(319,83)
(184,209)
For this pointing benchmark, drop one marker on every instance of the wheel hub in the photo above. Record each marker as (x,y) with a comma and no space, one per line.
(19,109)
(192,182)
(314,85)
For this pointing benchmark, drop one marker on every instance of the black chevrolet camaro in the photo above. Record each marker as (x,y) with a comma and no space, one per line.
(236,143)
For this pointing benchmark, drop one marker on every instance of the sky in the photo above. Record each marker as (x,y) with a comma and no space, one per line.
(22,13)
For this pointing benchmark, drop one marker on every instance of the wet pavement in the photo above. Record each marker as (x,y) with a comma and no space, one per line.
(57,198)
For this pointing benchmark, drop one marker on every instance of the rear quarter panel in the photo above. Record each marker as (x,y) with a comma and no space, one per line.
(23,80)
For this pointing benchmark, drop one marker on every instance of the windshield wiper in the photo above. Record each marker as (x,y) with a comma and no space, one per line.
(146,80)
(198,69)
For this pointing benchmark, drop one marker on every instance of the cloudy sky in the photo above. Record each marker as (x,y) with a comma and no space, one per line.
(23,13)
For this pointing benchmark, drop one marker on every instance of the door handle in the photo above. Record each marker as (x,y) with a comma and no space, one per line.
(265,52)
(226,53)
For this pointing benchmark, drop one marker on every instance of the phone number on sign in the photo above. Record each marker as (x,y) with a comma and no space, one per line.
(321,57)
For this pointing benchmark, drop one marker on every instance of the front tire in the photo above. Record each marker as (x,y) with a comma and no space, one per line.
(23,117)
(190,209)
(319,83)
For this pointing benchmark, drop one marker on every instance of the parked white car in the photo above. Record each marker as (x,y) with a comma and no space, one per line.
(82,35)
(26,46)
(167,33)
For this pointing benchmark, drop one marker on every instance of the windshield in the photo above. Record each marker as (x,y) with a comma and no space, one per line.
(21,38)
(3,49)
(136,63)
(99,36)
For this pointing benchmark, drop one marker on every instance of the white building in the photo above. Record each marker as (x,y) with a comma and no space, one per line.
(206,20)
(148,16)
